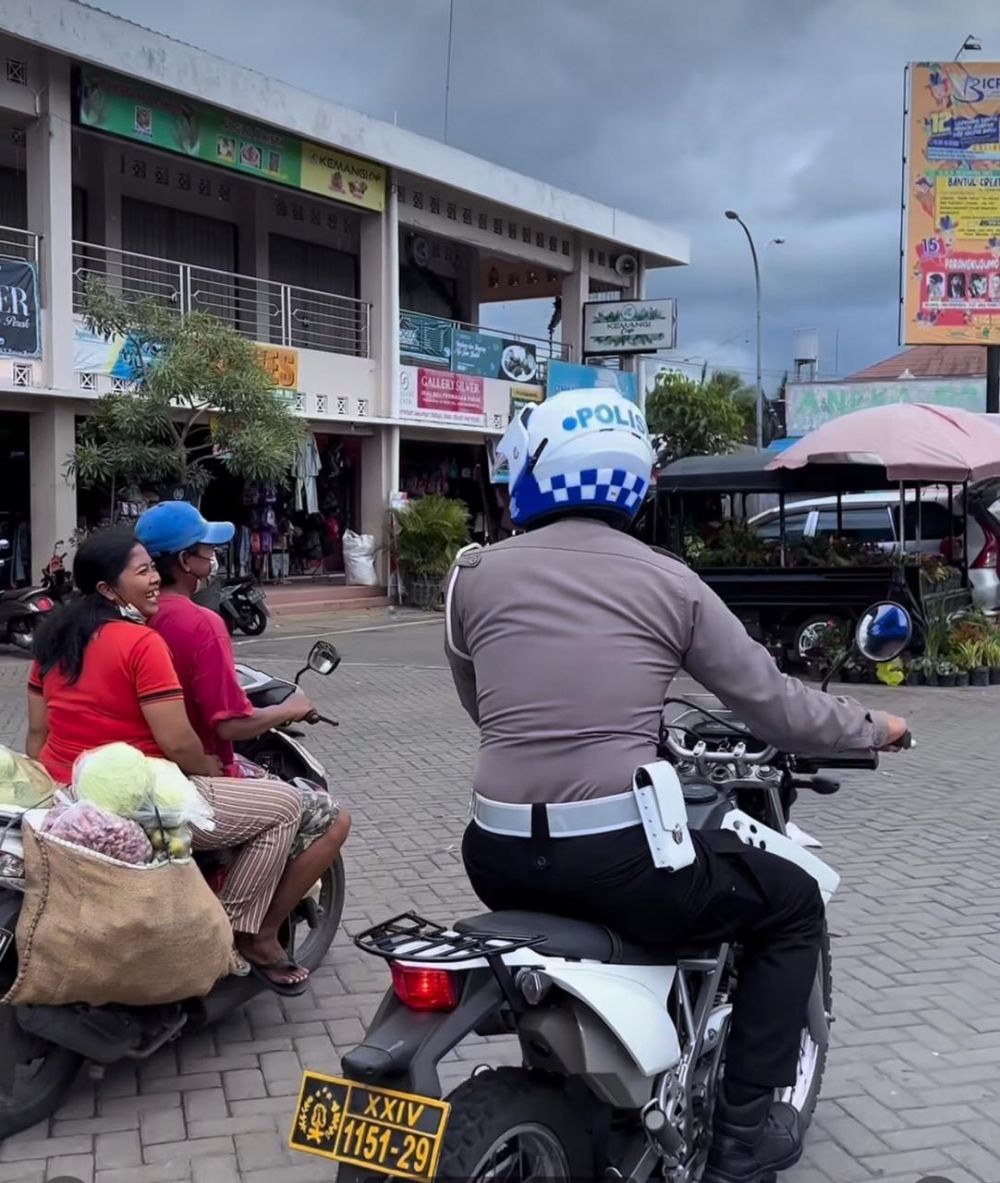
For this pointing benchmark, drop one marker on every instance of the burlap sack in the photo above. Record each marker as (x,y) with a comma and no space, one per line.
(98,931)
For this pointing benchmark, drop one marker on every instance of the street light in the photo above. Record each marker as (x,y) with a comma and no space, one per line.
(733,216)
(971,44)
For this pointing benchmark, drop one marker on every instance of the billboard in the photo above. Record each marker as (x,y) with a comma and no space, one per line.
(809,405)
(629,326)
(951,201)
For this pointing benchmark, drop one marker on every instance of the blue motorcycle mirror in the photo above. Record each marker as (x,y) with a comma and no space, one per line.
(884,632)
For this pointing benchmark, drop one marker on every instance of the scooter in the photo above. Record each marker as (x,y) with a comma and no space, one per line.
(21,608)
(243,606)
(278,751)
(56,580)
(622,1046)
(42,1048)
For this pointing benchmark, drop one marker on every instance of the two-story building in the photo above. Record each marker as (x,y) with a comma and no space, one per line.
(363,258)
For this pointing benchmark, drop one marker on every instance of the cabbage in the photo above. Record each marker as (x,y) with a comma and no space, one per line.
(23,782)
(116,777)
(8,764)
(172,791)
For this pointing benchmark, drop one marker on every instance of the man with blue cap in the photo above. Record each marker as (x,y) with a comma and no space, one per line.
(182,543)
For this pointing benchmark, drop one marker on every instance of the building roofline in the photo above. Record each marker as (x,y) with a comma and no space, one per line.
(117,44)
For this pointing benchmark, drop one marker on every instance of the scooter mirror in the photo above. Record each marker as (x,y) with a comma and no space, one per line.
(883,632)
(323,658)
(4,544)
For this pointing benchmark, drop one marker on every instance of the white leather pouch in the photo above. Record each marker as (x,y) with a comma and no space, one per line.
(658,793)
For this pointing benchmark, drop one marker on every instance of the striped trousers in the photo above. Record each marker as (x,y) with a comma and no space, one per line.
(259,819)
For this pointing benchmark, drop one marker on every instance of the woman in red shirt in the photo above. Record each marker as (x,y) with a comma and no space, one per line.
(100,676)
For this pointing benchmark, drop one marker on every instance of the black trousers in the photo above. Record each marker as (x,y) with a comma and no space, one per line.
(732,892)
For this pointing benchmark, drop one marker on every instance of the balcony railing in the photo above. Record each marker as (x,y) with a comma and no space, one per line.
(261,309)
(18,244)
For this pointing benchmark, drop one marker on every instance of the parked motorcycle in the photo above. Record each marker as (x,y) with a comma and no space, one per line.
(622,1046)
(243,606)
(21,608)
(42,1048)
(56,580)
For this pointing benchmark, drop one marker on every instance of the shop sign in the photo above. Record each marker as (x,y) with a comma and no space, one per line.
(629,326)
(564,375)
(282,365)
(123,107)
(425,340)
(809,405)
(461,395)
(19,331)
(494,357)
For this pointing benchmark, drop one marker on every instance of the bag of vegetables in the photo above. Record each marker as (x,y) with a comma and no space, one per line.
(24,783)
(96,930)
(144,789)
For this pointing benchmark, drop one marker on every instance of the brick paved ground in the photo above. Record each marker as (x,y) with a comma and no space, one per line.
(913,1086)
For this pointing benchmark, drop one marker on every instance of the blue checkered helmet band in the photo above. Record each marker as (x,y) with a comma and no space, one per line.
(604,488)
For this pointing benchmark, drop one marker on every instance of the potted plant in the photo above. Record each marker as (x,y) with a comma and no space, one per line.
(946,672)
(928,666)
(914,672)
(429,533)
(991,656)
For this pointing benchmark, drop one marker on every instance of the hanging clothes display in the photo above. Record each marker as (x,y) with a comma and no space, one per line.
(307,469)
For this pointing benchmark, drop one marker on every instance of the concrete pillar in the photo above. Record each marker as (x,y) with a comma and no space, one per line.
(50,214)
(575,293)
(53,498)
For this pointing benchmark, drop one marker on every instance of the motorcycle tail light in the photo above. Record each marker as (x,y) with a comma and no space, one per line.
(425,989)
(44,604)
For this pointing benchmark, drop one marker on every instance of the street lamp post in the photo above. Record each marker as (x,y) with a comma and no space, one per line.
(733,216)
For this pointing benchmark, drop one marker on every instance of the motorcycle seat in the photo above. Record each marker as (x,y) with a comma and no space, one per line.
(578,940)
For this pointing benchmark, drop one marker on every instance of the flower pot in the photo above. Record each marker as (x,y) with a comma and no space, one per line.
(980,677)
(851,675)
(995,676)
(914,677)
(946,679)
(931,679)
(963,678)
(424,594)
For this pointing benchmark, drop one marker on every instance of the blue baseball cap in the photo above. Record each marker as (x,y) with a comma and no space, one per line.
(173,526)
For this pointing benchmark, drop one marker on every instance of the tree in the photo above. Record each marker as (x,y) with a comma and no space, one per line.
(200,391)
(692,418)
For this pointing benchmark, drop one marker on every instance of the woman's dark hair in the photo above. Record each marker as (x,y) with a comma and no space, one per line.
(63,637)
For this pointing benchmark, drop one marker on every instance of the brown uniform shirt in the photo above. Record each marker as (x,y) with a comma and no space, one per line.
(564,641)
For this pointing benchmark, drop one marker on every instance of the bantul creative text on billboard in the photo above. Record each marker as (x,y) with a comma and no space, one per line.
(951,265)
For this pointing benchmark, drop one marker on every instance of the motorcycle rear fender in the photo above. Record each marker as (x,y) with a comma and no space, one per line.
(754,833)
(402,1047)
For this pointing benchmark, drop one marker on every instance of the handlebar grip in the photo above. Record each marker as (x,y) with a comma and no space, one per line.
(313,718)
(906,742)
(865,763)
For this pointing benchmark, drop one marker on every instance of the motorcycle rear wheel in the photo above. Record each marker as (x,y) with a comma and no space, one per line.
(43,1072)
(508,1123)
(253,622)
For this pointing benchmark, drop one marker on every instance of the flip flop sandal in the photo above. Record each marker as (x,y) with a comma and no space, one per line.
(286,989)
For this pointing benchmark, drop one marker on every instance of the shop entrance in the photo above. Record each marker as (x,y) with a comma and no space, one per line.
(15,499)
(293,531)
(455,470)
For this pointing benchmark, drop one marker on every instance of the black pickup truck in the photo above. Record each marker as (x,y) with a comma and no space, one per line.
(779,603)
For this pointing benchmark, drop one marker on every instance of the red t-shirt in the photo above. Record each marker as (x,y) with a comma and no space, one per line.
(203,656)
(124,666)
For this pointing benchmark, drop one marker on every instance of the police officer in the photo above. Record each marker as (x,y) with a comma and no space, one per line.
(563,642)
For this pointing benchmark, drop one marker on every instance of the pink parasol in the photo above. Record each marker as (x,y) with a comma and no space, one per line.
(912,441)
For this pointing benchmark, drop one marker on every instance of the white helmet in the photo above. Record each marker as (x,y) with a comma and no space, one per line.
(580,449)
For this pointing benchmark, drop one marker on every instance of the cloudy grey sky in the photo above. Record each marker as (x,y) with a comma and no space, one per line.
(789,111)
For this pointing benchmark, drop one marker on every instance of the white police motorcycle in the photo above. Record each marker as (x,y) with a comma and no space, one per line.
(623,1047)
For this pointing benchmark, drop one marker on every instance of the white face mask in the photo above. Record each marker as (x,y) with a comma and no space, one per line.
(131,612)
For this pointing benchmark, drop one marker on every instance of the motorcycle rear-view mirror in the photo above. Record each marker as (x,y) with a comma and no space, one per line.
(323,658)
(884,632)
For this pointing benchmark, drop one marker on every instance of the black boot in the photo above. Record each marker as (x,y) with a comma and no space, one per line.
(753,1140)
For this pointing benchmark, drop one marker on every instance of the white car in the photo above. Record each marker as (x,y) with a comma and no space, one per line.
(874,518)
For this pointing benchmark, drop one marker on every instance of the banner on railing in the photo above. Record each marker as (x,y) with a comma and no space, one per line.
(19,322)
(425,340)
(174,123)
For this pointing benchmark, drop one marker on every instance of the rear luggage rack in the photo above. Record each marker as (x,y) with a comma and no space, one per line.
(409,937)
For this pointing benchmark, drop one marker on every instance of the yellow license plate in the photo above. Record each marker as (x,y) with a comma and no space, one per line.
(399,1134)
